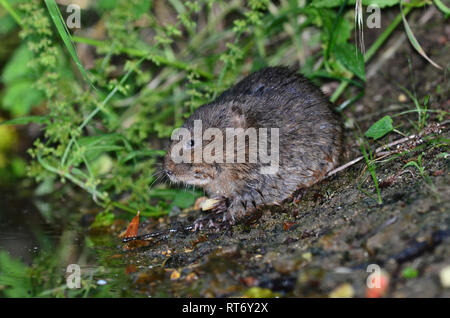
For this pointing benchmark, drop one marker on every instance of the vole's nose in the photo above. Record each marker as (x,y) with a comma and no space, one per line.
(169,172)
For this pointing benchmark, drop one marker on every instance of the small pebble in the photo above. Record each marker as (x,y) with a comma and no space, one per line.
(402,98)
(445,277)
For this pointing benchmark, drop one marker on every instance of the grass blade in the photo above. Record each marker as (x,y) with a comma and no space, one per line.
(414,42)
(359,26)
(11,11)
(443,8)
(26,120)
(66,37)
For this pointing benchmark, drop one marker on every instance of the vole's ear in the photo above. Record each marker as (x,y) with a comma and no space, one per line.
(238,119)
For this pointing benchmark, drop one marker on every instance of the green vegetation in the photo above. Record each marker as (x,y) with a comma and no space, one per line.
(104,99)
(154,63)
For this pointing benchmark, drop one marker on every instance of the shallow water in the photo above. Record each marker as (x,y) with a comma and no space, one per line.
(38,241)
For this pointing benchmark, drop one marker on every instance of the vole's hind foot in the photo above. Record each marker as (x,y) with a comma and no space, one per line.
(215,220)
(298,195)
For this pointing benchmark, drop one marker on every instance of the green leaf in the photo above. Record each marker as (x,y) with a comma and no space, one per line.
(18,167)
(26,120)
(443,8)
(15,69)
(351,58)
(141,7)
(95,145)
(180,198)
(325,19)
(8,22)
(258,292)
(20,97)
(106,4)
(103,219)
(20,93)
(415,43)
(142,153)
(66,37)
(412,163)
(14,277)
(380,128)
(410,272)
(184,199)
(102,165)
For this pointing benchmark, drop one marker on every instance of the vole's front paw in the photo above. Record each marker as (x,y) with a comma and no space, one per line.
(218,217)
(215,221)
(214,205)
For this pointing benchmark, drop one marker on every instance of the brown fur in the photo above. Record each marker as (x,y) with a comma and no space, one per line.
(310,140)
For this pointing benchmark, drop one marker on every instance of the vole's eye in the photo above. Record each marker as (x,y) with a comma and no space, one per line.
(190,144)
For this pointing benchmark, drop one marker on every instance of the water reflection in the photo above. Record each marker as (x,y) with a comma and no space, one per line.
(40,238)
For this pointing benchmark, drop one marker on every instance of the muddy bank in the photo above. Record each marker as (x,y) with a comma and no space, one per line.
(325,241)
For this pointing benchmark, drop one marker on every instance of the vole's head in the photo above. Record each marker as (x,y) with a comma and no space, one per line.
(197,154)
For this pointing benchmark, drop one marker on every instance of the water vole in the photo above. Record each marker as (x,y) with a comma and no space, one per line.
(302,134)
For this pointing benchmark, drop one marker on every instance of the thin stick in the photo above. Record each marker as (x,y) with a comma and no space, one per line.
(149,236)
(379,152)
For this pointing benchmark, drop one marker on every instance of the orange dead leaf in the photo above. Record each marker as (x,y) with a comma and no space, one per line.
(288,225)
(130,269)
(191,277)
(175,275)
(132,229)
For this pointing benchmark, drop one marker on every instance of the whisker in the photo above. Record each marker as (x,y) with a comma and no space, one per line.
(154,174)
(150,186)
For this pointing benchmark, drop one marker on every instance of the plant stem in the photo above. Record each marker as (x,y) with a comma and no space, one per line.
(143,53)
(72,178)
(372,50)
(95,192)
(11,11)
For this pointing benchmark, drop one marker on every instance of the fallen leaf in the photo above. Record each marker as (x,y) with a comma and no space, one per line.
(132,229)
(438,173)
(166,253)
(287,225)
(130,269)
(343,291)
(200,239)
(191,277)
(175,275)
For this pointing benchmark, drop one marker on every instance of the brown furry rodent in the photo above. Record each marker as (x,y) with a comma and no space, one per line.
(309,143)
